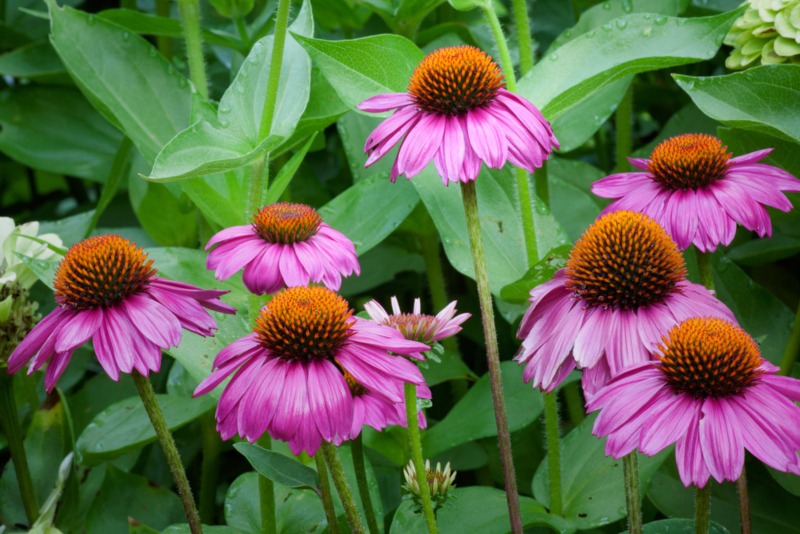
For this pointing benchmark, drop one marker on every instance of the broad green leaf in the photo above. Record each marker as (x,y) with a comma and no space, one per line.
(571,200)
(788,481)
(150,103)
(472,417)
(592,484)
(125,498)
(381,264)
(353,129)
(125,426)
(361,68)
(185,529)
(764,99)
(370,210)
(764,251)
(687,119)
(278,467)
(70,229)
(678,526)
(36,61)
(220,197)
(631,44)
(498,208)
(55,129)
(452,367)
(519,291)
(232,139)
(285,175)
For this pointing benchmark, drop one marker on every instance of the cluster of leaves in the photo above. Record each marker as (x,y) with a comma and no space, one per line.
(94,99)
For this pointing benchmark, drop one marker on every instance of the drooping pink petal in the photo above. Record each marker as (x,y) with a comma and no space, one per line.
(384,102)
(78,329)
(420,145)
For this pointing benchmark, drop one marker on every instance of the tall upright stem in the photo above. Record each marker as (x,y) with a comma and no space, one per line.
(630,468)
(415,442)
(327,497)
(145,389)
(190,18)
(266,493)
(357,450)
(13,432)
(553,451)
(702,509)
(339,480)
(470,199)
(209,469)
(270,97)
(520,12)
(792,347)
(623,121)
(744,497)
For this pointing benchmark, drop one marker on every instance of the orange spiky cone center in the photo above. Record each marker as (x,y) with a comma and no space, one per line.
(689,161)
(286,223)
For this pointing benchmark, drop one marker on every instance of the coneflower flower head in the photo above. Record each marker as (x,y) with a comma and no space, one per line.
(440,482)
(417,326)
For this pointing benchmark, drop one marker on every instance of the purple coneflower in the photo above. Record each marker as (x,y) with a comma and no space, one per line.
(418,326)
(108,291)
(286,245)
(694,189)
(289,374)
(457,112)
(710,392)
(624,287)
(376,410)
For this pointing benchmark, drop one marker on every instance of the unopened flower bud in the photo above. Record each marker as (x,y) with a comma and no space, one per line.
(440,482)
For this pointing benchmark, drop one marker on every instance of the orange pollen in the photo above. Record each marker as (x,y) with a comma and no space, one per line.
(355,388)
(689,161)
(304,323)
(709,357)
(454,80)
(414,326)
(624,260)
(286,223)
(100,272)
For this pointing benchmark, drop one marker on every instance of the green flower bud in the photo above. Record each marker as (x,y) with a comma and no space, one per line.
(767,33)
(467,5)
(232,8)
(440,482)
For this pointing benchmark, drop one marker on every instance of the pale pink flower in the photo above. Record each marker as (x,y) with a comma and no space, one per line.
(426,329)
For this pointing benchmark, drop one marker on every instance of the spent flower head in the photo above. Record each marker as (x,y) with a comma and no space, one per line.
(440,482)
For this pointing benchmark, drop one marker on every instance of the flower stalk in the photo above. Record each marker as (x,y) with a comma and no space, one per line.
(523,25)
(148,396)
(190,19)
(325,494)
(13,433)
(702,509)
(470,200)
(553,451)
(630,468)
(416,456)
(357,450)
(339,480)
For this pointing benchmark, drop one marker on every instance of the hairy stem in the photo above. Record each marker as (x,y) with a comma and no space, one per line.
(630,467)
(339,480)
(190,18)
(145,389)
(553,451)
(702,509)
(415,442)
(744,502)
(266,493)
(13,432)
(520,13)
(357,450)
(470,199)
(326,496)
(276,61)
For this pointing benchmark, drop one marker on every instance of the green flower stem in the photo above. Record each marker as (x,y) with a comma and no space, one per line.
(211,445)
(145,389)
(702,509)
(357,450)
(623,120)
(266,493)
(270,97)
(470,199)
(744,503)
(792,348)
(415,442)
(325,494)
(190,19)
(520,12)
(241,27)
(259,182)
(630,467)
(163,42)
(13,432)
(339,480)
(553,451)
(704,268)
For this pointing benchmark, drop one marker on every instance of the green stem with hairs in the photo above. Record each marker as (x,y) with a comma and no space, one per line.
(190,19)
(553,451)
(520,12)
(630,467)
(210,468)
(359,466)
(325,494)
(148,396)
(266,493)
(470,200)
(339,480)
(792,348)
(11,428)
(276,61)
(623,119)
(415,441)
(702,509)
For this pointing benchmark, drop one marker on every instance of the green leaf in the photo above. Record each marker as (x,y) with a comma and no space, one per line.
(285,175)
(35,61)
(678,526)
(70,229)
(380,265)
(571,200)
(125,426)
(370,210)
(54,129)
(503,241)
(150,103)
(764,99)
(220,197)
(592,483)
(361,68)
(452,367)
(519,291)
(186,529)
(278,467)
(631,44)
(232,139)
(472,418)
(124,498)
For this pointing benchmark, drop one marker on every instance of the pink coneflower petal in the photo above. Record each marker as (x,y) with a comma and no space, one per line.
(420,145)
(78,330)
(706,192)
(385,102)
